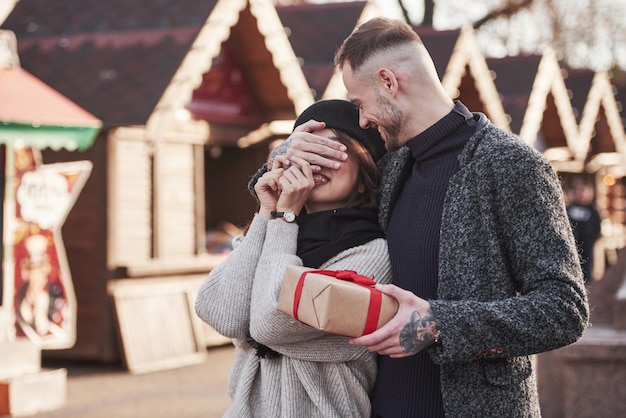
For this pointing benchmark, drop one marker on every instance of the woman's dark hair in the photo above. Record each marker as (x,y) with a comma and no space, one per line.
(368,175)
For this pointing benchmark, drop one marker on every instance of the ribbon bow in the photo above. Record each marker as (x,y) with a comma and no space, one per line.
(376,297)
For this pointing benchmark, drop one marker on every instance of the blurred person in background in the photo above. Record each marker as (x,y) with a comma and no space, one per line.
(586,223)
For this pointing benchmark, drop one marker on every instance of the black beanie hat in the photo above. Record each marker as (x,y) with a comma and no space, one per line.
(344,116)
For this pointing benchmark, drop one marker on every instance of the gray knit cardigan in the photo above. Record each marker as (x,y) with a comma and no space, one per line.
(318,374)
(510,283)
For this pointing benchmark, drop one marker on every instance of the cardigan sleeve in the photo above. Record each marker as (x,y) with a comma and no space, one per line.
(281,332)
(510,279)
(224,297)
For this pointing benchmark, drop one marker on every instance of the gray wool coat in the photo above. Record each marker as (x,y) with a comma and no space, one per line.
(510,283)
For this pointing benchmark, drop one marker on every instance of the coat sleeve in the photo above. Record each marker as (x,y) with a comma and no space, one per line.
(281,332)
(223,299)
(510,278)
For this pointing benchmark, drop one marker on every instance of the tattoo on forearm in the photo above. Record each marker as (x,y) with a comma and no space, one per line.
(418,333)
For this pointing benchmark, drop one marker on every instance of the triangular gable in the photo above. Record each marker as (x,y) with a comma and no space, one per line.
(318,62)
(168,118)
(601,128)
(549,82)
(224,95)
(335,88)
(535,98)
(316,48)
(619,81)
(513,77)
(468,75)
(578,82)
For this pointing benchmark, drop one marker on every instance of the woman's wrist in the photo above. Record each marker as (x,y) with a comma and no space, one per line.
(266,213)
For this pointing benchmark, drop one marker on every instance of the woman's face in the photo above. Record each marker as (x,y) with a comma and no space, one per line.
(333,188)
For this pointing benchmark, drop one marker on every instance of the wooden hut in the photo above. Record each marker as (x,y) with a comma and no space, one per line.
(176,87)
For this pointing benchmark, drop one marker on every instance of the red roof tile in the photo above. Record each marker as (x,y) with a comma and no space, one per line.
(25,99)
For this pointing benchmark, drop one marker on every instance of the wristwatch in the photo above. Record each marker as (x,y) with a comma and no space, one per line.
(287,216)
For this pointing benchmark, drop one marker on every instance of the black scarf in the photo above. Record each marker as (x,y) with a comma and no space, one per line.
(323,235)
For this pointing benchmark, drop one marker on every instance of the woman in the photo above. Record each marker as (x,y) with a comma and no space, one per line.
(282,367)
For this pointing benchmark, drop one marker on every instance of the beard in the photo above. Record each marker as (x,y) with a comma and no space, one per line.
(390,123)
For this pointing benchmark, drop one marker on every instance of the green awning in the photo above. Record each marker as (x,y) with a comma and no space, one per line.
(71,138)
(34,114)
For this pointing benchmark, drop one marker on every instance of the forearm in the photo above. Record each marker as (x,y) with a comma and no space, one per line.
(224,297)
(290,337)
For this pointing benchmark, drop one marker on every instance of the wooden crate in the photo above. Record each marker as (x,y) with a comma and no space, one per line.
(157,325)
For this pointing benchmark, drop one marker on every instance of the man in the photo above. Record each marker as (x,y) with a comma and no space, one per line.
(484,263)
(586,224)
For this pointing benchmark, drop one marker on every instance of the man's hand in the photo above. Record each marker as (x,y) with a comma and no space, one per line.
(412,329)
(314,149)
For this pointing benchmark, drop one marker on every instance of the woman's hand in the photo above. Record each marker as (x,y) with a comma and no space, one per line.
(295,184)
(268,187)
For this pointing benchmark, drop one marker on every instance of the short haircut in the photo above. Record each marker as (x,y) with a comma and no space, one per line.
(372,37)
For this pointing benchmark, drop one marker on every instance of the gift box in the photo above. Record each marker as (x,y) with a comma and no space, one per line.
(336,301)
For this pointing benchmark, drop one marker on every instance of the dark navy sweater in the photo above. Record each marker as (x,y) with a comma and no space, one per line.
(410,387)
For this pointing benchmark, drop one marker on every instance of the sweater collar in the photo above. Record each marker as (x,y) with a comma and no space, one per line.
(439,139)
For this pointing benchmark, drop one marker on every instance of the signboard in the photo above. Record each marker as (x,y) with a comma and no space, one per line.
(40,197)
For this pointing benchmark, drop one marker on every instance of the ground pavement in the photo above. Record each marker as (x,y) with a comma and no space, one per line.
(97,391)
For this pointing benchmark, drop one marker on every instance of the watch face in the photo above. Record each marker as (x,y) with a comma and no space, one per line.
(289,216)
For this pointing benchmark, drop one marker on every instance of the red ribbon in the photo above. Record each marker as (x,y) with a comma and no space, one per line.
(376,298)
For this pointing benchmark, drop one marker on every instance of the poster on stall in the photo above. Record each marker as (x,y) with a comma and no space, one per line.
(44,302)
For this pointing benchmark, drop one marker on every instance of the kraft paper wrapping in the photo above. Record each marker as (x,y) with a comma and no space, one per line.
(331,304)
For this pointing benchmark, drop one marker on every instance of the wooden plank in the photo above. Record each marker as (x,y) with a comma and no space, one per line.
(157,325)
(175,207)
(129,201)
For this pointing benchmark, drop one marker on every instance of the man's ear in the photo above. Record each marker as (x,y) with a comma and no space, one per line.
(388,81)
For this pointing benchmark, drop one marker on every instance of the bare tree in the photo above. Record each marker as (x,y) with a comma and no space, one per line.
(584,33)
(429,12)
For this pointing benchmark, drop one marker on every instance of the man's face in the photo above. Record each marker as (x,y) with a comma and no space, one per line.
(375,110)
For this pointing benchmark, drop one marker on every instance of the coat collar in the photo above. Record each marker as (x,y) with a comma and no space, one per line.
(395,166)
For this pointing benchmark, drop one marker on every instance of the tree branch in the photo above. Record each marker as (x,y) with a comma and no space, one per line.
(507,10)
